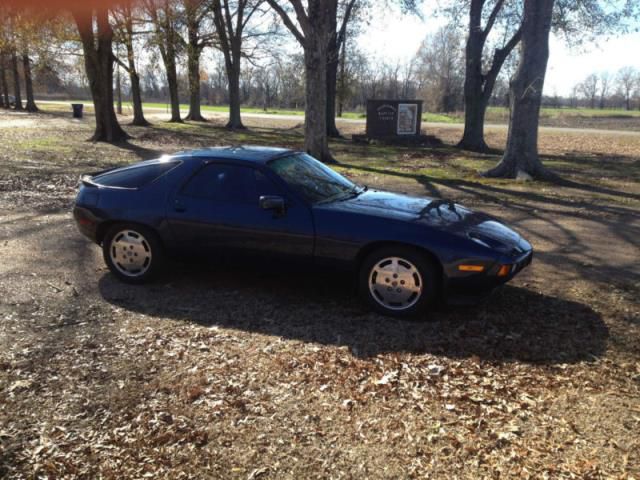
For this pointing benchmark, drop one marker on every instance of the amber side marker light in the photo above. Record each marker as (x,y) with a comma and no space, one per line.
(471,268)
(504,270)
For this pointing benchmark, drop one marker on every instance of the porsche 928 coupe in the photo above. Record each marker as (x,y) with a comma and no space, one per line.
(406,252)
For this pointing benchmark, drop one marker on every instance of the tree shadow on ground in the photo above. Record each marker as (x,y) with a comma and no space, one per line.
(212,135)
(515,325)
(548,210)
(501,193)
(141,152)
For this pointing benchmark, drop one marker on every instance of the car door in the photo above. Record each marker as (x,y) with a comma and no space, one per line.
(218,210)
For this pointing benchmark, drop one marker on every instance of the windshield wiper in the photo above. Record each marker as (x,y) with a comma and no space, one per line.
(348,195)
(357,191)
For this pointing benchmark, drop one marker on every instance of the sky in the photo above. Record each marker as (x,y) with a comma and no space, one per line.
(395,38)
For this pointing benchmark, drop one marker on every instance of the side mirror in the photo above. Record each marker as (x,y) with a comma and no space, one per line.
(273,202)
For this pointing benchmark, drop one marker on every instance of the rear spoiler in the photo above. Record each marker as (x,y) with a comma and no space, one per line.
(86,181)
(87,178)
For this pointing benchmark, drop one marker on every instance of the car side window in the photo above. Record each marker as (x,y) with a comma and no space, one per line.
(264,185)
(229,184)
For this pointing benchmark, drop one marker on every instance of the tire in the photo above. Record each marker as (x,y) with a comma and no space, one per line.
(398,281)
(133,253)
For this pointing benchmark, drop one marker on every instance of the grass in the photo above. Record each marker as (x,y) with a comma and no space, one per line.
(614,119)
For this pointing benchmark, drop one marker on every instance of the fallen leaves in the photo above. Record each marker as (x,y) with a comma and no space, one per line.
(279,378)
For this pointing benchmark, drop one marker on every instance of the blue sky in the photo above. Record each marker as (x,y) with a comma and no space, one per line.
(395,38)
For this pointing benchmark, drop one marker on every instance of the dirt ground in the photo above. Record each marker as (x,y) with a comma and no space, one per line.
(229,372)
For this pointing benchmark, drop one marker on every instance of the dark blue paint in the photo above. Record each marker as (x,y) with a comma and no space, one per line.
(336,233)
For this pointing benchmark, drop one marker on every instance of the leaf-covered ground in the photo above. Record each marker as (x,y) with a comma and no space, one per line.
(233,372)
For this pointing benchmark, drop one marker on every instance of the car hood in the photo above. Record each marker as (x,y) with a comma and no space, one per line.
(436,213)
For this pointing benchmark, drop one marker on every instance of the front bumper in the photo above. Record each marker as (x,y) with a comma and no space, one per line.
(473,288)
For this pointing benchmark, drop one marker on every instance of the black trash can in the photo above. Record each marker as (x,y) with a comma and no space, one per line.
(77,110)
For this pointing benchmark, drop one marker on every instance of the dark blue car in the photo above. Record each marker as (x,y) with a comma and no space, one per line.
(281,204)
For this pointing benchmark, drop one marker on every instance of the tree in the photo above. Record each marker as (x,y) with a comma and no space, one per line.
(165,19)
(26,32)
(124,16)
(4,100)
(16,81)
(605,80)
(231,19)
(14,61)
(521,158)
(96,36)
(627,80)
(313,32)
(196,12)
(352,66)
(578,20)
(439,64)
(589,89)
(28,80)
(336,44)
(480,76)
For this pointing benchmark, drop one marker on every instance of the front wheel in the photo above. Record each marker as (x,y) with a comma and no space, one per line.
(133,253)
(398,281)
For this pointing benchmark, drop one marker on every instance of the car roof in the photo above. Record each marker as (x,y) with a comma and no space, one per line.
(247,153)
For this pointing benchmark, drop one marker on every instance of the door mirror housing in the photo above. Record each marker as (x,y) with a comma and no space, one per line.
(273,202)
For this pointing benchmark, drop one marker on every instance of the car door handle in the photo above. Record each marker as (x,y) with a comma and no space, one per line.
(179,206)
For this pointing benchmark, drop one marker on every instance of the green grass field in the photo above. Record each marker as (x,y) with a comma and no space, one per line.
(427,117)
(603,119)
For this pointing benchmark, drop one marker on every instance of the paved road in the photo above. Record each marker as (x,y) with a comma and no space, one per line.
(361,121)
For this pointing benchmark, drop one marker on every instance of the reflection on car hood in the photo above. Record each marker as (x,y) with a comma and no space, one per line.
(436,213)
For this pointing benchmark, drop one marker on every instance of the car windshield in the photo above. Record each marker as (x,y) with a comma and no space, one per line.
(316,182)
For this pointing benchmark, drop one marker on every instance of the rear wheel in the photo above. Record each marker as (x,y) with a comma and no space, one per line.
(133,253)
(398,281)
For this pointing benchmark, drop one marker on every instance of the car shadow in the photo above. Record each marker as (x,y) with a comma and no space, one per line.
(515,324)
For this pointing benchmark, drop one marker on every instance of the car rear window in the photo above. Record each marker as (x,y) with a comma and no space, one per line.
(134,177)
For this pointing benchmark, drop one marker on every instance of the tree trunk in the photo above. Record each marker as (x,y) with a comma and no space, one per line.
(172,81)
(313,36)
(98,61)
(235,118)
(3,82)
(118,92)
(315,126)
(478,85)
(230,41)
(332,81)
(473,136)
(16,81)
(28,81)
(168,54)
(474,104)
(341,95)
(193,62)
(194,49)
(333,56)
(521,155)
(136,97)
